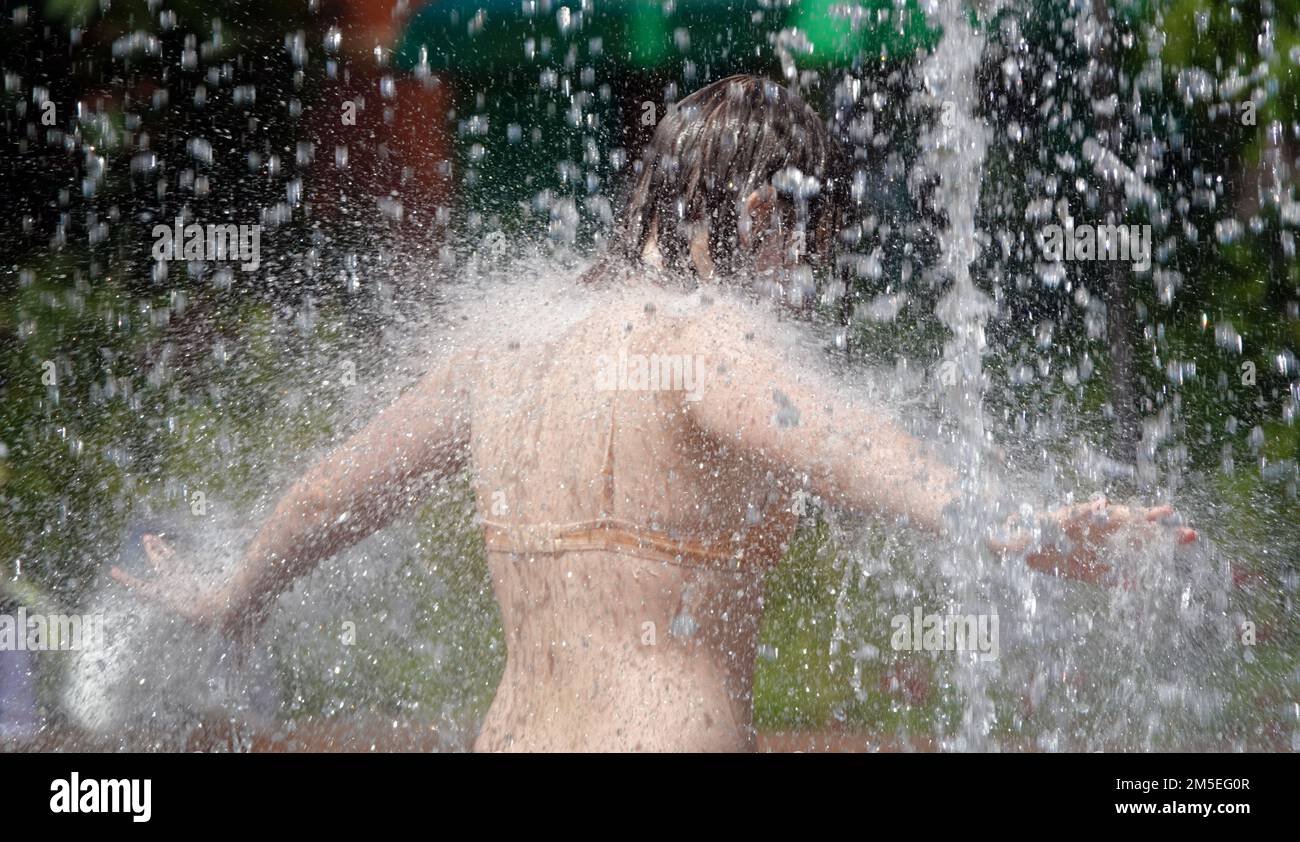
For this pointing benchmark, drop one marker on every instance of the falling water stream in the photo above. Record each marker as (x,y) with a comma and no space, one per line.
(954,151)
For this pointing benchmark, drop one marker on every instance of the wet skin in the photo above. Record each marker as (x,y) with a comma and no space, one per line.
(607,651)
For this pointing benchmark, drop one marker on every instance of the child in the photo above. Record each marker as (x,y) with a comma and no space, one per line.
(630,509)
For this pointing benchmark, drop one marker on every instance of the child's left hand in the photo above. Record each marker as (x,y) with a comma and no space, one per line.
(1083,529)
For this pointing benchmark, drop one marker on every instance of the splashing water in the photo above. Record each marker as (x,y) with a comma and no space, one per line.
(444,176)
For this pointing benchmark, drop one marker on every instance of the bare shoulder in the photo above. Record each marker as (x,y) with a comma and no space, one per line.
(452,370)
(740,332)
(710,322)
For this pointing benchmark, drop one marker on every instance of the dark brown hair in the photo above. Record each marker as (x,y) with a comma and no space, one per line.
(716,147)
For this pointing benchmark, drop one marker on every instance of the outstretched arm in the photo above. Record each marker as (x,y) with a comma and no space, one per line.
(360,486)
(853,456)
(858,458)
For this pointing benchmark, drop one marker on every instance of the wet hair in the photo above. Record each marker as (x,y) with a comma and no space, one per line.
(713,150)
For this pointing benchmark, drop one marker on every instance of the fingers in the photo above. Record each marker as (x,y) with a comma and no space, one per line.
(1097,521)
(1183,535)
(161,594)
(1109,518)
(135,583)
(1123,514)
(157,551)
(1159,512)
(1094,520)
(1087,526)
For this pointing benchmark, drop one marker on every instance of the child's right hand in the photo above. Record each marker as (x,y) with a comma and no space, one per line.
(178,590)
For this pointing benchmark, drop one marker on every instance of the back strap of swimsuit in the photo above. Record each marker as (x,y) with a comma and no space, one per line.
(607,535)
